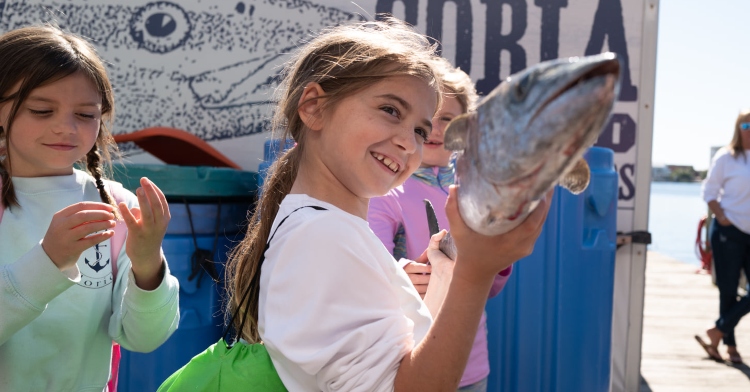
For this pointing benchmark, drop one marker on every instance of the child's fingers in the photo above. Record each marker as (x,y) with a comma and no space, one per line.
(144,205)
(421,289)
(152,194)
(89,228)
(85,216)
(418,268)
(84,205)
(435,239)
(417,279)
(162,200)
(455,221)
(94,239)
(131,221)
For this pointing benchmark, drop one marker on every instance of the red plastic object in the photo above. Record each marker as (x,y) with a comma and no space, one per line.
(177,147)
(702,250)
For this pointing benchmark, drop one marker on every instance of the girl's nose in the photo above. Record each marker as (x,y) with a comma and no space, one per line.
(65,125)
(407,140)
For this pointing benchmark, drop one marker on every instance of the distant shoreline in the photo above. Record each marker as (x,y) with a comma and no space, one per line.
(697,180)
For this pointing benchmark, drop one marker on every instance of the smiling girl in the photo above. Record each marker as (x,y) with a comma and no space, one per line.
(333,308)
(60,305)
(399,218)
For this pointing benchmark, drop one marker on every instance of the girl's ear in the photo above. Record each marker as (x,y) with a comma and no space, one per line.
(310,106)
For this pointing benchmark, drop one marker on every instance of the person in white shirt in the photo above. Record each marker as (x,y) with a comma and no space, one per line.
(726,189)
(327,299)
(61,307)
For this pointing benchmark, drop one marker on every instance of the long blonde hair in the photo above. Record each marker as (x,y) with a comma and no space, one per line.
(37,55)
(736,146)
(457,84)
(342,60)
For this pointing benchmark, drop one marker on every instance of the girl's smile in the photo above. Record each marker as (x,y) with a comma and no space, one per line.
(60,147)
(389,163)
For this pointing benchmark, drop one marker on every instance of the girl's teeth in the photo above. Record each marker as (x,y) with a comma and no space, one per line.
(386,161)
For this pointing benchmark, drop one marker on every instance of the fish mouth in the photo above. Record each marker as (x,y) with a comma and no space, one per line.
(609,68)
(524,177)
(387,162)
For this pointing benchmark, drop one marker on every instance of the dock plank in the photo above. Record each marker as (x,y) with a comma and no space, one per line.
(679,304)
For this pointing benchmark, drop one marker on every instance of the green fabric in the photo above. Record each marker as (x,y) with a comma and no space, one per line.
(244,367)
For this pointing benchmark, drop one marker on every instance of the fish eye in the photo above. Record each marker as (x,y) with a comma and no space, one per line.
(522,87)
(160,27)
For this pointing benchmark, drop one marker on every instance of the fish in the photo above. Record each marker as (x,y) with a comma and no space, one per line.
(528,135)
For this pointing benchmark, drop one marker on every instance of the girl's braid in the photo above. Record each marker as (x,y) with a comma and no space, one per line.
(93,161)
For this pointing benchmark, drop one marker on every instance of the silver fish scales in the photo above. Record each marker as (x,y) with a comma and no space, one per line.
(529,134)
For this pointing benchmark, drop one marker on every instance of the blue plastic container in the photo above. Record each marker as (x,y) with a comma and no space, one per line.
(212,213)
(550,328)
(272,149)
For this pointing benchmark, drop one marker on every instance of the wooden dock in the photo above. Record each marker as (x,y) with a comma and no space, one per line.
(679,304)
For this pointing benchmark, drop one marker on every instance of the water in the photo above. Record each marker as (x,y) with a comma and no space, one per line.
(674,212)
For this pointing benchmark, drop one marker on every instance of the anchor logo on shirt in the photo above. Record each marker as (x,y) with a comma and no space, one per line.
(97,265)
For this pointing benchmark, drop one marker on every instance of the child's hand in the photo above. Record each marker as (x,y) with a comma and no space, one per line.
(441,273)
(419,274)
(488,255)
(72,231)
(147,225)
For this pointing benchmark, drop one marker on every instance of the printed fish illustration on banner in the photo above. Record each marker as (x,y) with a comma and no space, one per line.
(205,67)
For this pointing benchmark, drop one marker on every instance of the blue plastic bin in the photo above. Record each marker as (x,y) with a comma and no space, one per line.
(272,149)
(215,201)
(550,328)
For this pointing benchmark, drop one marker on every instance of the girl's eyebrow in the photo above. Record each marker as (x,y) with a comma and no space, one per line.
(47,100)
(426,122)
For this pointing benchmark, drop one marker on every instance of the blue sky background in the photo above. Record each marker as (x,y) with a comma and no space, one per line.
(702,78)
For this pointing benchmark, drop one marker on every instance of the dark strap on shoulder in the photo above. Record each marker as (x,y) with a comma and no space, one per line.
(246,294)
(263,256)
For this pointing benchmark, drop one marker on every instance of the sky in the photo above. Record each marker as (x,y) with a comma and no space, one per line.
(702,78)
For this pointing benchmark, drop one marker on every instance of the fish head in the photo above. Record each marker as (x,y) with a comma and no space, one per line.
(527,133)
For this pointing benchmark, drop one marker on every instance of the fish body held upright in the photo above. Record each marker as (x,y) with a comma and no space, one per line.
(529,134)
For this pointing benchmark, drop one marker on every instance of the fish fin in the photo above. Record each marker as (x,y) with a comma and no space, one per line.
(576,180)
(457,133)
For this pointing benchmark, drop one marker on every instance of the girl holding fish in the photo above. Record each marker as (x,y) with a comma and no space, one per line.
(399,220)
(328,300)
(61,306)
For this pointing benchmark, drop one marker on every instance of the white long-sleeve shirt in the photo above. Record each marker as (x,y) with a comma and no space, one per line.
(56,328)
(728,182)
(336,312)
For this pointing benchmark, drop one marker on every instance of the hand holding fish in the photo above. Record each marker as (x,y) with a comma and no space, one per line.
(485,256)
(441,272)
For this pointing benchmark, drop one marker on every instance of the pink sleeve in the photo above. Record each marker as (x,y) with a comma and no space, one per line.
(384,217)
(500,280)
